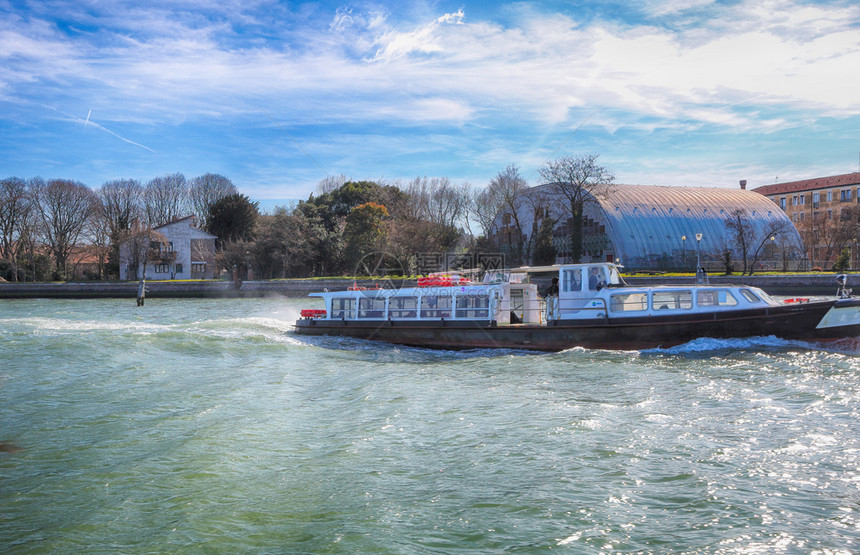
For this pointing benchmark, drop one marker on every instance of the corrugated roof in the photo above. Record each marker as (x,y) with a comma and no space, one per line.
(646,220)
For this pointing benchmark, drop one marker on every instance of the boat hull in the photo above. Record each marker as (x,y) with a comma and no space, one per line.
(805,321)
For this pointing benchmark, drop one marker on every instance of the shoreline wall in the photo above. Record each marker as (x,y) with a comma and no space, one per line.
(819,284)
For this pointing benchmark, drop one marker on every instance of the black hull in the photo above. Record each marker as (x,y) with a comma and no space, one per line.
(787,322)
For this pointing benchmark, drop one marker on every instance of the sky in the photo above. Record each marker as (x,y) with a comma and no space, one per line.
(279,95)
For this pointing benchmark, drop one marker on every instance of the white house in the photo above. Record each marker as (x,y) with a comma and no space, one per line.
(189,253)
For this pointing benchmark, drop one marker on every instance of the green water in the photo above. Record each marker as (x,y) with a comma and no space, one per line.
(205,426)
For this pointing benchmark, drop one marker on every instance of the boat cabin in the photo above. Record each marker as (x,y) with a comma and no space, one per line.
(585,291)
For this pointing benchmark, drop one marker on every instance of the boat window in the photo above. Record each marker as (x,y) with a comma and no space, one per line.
(572,279)
(715,297)
(595,277)
(672,300)
(750,296)
(628,302)
(436,306)
(473,306)
(342,307)
(371,307)
(402,307)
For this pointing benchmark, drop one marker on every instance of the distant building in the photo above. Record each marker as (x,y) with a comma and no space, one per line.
(189,253)
(652,227)
(825,211)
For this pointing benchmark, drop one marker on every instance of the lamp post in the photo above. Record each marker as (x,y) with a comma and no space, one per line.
(698,238)
(683,250)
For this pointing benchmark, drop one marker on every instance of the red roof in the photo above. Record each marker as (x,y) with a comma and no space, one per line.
(844,180)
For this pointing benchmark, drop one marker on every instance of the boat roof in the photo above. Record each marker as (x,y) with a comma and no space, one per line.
(557,267)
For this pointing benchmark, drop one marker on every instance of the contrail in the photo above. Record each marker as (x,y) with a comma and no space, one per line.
(102,127)
(120,137)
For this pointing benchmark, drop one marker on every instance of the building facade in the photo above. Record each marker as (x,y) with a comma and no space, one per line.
(659,228)
(184,253)
(825,211)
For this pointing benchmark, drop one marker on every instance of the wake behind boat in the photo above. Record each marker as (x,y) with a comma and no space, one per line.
(588,305)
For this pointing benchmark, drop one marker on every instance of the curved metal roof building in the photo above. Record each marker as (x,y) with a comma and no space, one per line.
(643,225)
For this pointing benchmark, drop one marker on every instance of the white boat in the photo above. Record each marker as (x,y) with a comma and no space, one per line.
(593,308)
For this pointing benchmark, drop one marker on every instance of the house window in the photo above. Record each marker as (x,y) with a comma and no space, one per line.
(801,199)
(162,268)
(816,199)
(830,214)
(198,267)
(170,246)
(844,195)
(782,202)
(179,268)
(802,216)
(829,196)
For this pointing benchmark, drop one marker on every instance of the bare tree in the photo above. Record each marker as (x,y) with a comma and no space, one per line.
(485,208)
(205,191)
(65,208)
(436,200)
(507,191)
(538,202)
(100,239)
(751,241)
(121,203)
(579,180)
(826,236)
(331,183)
(165,199)
(15,207)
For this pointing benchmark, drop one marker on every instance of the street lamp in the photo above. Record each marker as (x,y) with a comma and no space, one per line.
(683,250)
(698,238)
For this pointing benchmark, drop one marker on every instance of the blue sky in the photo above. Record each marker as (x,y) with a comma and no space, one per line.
(277,95)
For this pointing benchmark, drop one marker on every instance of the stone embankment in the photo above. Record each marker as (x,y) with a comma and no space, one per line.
(812,284)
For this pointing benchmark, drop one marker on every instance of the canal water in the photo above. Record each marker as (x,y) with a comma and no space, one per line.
(205,426)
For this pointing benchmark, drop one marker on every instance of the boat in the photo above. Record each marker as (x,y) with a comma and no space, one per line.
(588,306)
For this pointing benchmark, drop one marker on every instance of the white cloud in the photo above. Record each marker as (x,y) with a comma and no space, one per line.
(746,66)
(425,39)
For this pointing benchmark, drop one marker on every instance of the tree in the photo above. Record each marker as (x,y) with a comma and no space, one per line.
(750,240)
(121,203)
(331,183)
(165,199)
(65,208)
(364,230)
(15,206)
(544,251)
(579,180)
(843,262)
(283,245)
(206,190)
(233,218)
(506,193)
(144,244)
